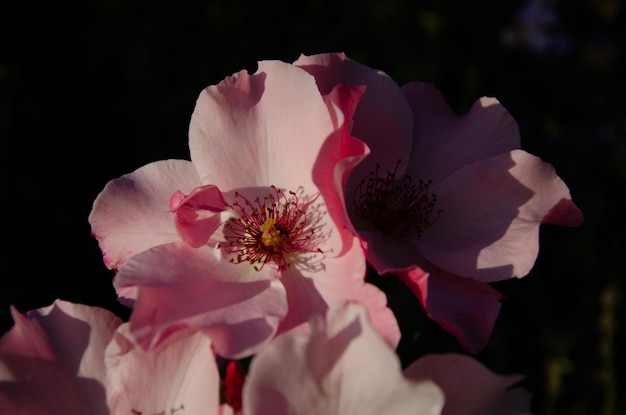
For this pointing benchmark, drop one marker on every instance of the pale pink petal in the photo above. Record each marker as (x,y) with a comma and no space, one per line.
(343,367)
(260,130)
(132,213)
(179,286)
(465,308)
(197,214)
(310,292)
(52,360)
(444,141)
(469,387)
(383,119)
(492,210)
(179,376)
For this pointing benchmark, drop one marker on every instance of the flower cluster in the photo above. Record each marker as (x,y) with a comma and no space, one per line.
(245,267)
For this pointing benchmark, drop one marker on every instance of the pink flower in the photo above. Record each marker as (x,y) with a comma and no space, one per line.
(344,367)
(75,359)
(239,241)
(448,203)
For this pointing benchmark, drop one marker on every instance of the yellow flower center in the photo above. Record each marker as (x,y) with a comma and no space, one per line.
(268,230)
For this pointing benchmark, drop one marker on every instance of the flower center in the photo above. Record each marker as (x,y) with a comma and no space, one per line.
(400,208)
(268,230)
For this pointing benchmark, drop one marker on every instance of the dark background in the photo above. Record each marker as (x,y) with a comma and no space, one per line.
(91,90)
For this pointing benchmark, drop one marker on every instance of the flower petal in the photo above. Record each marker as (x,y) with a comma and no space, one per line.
(260,130)
(444,141)
(311,292)
(469,387)
(492,210)
(178,376)
(179,286)
(466,308)
(132,214)
(332,372)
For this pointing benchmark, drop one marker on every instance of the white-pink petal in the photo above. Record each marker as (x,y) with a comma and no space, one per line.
(180,376)
(260,130)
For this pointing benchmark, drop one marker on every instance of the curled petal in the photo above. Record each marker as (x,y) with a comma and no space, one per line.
(197,214)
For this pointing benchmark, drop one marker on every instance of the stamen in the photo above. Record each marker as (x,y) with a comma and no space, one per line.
(268,230)
(399,208)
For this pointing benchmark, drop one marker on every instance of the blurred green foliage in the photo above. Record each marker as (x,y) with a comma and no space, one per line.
(90,90)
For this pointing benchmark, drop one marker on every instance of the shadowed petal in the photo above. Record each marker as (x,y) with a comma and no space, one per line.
(465,308)
(469,387)
(444,141)
(492,210)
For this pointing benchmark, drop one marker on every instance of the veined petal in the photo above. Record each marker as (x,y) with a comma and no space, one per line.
(492,210)
(444,141)
(178,376)
(132,214)
(179,286)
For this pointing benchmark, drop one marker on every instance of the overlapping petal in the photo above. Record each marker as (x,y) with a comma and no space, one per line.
(76,359)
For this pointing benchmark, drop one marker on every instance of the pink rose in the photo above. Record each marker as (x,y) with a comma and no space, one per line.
(238,242)
(449,203)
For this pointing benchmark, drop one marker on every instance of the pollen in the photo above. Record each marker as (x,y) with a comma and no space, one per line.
(268,230)
(400,208)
